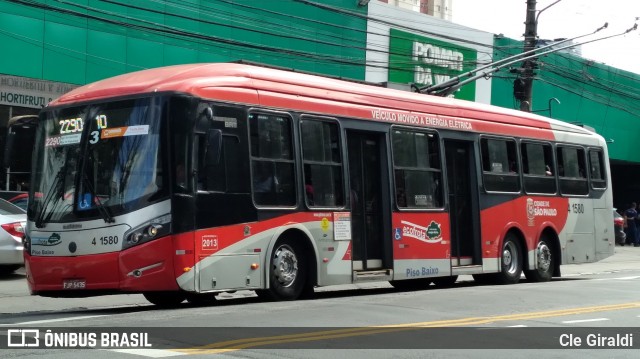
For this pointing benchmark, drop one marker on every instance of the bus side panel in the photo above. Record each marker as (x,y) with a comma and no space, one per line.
(527,214)
(421,245)
(149,266)
(333,256)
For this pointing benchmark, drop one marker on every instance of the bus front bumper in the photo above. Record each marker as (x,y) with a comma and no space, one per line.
(147,267)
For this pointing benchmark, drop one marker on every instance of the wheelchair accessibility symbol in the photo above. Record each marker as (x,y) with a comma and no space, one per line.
(398,234)
(84,202)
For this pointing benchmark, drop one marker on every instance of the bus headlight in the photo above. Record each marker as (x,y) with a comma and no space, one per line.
(136,237)
(145,232)
(153,230)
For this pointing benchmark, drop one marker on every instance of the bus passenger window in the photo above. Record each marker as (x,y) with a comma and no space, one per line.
(537,164)
(572,170)
(272,162)
(597,172)
(500,165)
(416,162)
(322,159)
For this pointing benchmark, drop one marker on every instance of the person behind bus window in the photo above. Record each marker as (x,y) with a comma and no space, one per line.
(264,179)
(308,188)
(631,215)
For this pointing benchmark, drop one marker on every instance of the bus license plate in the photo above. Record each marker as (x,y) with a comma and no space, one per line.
(74,284)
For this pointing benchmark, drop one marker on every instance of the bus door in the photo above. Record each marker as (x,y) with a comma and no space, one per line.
(463,203)
(370,200)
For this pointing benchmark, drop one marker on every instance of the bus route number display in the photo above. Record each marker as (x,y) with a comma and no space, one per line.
(71,125)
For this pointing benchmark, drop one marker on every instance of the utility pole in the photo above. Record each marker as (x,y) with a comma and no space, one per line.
(526,79)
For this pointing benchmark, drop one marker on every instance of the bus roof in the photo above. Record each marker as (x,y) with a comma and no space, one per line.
(246,83)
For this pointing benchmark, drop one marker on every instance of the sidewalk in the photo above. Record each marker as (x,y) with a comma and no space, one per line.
(624,258)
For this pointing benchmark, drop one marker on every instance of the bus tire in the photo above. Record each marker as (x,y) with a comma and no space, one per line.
(544,262)
(287,271)
(511,261)
(445,282)
(168,299)
(411,284)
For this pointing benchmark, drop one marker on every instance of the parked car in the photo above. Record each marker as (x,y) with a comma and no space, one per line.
(618,227)
(12,223)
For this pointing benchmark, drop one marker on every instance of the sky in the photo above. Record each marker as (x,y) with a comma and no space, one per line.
(566,19)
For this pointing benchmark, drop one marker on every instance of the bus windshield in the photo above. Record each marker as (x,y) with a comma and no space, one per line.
(98,160)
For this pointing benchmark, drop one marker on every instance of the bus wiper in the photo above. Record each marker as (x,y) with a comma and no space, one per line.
(54,190)
(108,218)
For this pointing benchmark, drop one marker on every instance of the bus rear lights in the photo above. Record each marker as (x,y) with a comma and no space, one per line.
(255,266)
(257,250)
(325,260)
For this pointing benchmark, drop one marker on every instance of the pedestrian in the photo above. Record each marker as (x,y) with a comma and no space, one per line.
(630,216)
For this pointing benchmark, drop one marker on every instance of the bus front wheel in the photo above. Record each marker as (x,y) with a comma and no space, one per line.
(287,271)
(544,263)
(511,259)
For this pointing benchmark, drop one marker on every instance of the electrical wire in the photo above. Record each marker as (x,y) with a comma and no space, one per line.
(145,25)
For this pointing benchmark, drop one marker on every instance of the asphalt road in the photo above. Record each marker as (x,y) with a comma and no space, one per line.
(593,302)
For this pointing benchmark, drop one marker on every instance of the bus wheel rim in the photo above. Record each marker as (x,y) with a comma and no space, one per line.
(544,256)
(285,266)
(509,257)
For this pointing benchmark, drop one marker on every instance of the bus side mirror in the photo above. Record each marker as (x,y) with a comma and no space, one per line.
(8,150)
(213,148)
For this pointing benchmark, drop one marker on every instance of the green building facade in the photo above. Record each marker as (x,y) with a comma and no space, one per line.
(81,41)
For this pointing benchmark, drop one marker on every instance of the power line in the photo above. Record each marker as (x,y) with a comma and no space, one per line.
(176,33)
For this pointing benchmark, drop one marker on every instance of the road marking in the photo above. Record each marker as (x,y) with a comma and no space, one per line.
(151,353)
(619,278)
(239,344)
(584,320)
(54,320)
(517,326)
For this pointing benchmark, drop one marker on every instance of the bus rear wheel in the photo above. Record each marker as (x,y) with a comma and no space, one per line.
(511,260)
(287,271)
(165,299)
(544,262)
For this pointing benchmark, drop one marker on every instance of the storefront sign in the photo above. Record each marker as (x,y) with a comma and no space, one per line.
(32,93)
(425,61)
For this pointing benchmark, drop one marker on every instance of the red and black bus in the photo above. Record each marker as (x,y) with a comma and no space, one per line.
(186,181)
